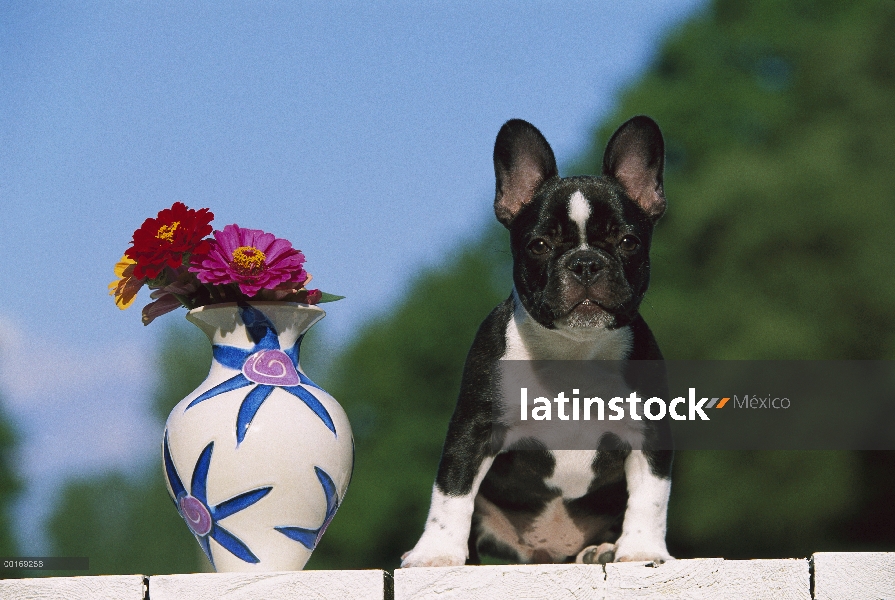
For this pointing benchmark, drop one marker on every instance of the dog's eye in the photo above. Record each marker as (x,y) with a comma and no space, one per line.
(629,243)
(538,247)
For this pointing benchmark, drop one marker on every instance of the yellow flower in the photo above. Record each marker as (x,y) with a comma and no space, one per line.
(125,288)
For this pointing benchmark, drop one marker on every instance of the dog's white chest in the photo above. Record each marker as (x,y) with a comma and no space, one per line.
(527,344)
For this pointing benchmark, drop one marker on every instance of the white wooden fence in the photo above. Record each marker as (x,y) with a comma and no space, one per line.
(824,576)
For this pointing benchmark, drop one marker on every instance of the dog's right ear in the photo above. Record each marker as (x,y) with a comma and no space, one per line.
(523,160)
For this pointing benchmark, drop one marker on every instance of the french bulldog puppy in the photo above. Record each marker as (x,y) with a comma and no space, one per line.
(580,249)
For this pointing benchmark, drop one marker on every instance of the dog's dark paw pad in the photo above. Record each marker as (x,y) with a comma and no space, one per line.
(596,555)
(606,557)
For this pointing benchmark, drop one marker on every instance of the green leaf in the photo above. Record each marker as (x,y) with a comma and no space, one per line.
(324,297)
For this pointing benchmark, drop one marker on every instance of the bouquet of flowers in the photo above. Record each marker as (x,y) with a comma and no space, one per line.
(172,255)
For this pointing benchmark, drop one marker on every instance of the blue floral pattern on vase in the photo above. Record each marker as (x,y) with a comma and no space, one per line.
(203,519)
(265,366)
(309,538)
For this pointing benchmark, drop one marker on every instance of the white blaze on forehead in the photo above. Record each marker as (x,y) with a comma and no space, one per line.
(579,212)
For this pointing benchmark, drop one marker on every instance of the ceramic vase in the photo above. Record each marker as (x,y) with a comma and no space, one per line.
(257,459)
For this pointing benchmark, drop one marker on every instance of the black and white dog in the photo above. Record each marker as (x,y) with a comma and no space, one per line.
(581,267)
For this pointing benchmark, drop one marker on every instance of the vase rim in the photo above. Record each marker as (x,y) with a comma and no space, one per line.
(209,307)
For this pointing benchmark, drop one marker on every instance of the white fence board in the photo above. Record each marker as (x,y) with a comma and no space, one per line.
(837,576)
(105,587)
(710,578)
(854,575)
(517,582)
(293,585)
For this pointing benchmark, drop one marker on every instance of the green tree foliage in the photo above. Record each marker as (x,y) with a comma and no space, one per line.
(10,483)
(129,524)
(779,125)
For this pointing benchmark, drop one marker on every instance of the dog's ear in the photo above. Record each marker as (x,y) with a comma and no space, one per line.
(635,157)
(523,160)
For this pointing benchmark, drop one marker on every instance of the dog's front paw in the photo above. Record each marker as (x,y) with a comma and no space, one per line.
(594,555)
(419,558)
(632,550)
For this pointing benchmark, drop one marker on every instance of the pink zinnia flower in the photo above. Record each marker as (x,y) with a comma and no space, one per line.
(250,258)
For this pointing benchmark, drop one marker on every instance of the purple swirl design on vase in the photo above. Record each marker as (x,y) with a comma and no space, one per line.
(197,517)
(271,367)
(264,368)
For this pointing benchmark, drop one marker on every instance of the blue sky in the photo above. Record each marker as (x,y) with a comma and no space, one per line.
(360,131)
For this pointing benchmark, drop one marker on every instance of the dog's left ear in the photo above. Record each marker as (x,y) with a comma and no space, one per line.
(635,157)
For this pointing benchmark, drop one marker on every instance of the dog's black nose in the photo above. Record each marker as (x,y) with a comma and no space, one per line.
(586,267)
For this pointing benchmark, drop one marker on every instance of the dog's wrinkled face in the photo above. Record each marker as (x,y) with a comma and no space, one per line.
(580,244)
(581,254)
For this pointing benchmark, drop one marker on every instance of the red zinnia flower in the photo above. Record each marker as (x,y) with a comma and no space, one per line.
(250,258)
(164,240)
